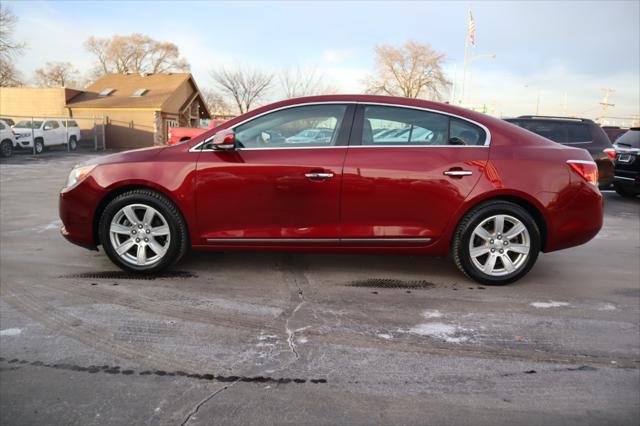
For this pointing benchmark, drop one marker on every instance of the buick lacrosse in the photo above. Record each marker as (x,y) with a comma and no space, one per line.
(342,173)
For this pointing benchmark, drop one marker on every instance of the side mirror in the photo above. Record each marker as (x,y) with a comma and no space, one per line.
(47,127)
(224,140)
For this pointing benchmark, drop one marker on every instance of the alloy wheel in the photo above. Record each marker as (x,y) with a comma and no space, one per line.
(139,234)
(499,245)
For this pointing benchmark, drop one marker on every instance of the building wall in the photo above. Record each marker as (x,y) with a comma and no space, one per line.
(24,102)
(124,128)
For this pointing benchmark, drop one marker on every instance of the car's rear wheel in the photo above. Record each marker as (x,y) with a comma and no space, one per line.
(39,144)
(6,148)
(142,231)
(496,243)
(73,143)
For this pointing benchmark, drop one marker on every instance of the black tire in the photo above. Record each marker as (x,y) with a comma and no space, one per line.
(73,143)
(625,192)
(178,242)
(460,251)
(6,148)
(39,144)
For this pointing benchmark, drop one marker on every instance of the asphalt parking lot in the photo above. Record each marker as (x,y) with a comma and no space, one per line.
(255,338)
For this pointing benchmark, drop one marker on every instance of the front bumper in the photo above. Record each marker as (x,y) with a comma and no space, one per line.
(77,207)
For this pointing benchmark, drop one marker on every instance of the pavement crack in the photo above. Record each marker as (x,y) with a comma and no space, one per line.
(291,333)
(204,401)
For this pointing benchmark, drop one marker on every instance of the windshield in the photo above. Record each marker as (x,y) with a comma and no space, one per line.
(630,139)
(27,124)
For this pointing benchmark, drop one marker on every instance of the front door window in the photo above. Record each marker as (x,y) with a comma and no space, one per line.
(299,127)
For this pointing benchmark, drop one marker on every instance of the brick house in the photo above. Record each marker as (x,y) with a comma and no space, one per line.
(138,109)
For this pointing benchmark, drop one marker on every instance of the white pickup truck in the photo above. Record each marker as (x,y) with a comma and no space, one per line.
(46,133)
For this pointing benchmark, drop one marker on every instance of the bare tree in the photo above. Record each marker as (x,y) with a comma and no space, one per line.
(9,48)
(303,82)
(215,102)
(413,70)
(57,74)
(136,53)
(244,85)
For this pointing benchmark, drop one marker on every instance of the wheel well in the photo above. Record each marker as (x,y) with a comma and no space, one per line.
(530,208)
(113,194)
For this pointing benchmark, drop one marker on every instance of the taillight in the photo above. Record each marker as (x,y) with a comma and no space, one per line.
(588,170)
(611,152)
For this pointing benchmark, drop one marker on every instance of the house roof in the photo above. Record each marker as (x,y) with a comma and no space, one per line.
(160,89)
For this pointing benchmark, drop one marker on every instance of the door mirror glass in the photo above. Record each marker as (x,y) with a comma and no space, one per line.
(224,140)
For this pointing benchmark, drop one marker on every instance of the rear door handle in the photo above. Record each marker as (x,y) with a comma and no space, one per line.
(318,175)
(458,173)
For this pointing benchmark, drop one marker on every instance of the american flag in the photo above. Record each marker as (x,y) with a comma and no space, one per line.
(471,29)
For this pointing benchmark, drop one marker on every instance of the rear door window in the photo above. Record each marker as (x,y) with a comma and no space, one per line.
(398,126)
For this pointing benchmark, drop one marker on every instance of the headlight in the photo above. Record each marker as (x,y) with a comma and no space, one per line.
(78,174)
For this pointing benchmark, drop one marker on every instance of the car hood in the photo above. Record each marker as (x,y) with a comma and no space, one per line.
(21,131)
(135,155)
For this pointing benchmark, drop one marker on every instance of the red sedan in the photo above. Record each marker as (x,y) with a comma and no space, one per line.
(342,173)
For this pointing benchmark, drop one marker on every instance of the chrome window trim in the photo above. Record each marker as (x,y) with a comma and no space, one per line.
(317,240)
(487,142)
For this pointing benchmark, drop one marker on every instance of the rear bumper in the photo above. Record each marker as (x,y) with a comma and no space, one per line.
(605,171)
(628,181)
(576,221)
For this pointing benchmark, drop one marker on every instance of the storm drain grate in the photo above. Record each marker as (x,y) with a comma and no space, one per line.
(392,283)
(122,275)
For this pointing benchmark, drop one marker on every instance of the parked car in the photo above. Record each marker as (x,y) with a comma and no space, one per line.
(181,134)
(490,194)
(614,132)
(626,181)
(7,139)
(311,136)
(47,133)
(578,133)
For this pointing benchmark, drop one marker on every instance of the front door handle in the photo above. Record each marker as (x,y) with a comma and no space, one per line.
(318,175)
(458,173)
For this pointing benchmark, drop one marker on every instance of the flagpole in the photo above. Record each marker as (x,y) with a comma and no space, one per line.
(466,51)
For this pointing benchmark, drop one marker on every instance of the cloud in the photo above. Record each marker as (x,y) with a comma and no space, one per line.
(334,56)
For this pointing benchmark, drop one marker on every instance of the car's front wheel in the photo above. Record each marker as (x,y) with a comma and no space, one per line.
(142,231)
(496,243)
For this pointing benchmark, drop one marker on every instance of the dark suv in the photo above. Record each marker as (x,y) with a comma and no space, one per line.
(578,133)
(627,172)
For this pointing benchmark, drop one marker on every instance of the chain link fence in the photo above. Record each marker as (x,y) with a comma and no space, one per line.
(37,134)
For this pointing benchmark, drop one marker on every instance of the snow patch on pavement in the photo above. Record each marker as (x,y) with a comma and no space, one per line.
(447,332)
(549,304)
(10,332)
(384,336)
(432,313)
(607,307)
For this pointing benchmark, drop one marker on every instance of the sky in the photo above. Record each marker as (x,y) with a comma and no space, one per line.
(560,52)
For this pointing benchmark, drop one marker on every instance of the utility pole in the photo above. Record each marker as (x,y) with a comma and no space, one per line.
(452,98)
(466,51)
(605,104)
